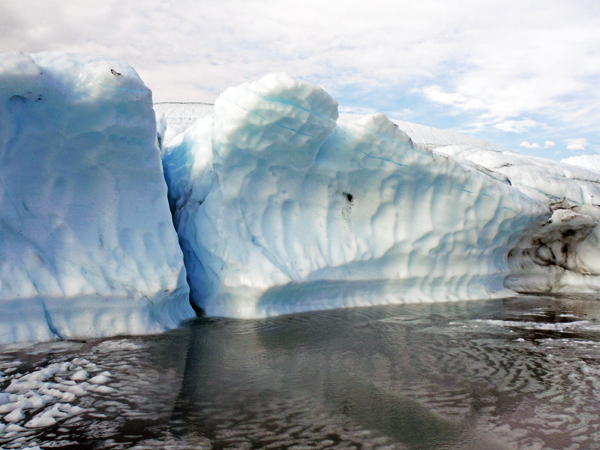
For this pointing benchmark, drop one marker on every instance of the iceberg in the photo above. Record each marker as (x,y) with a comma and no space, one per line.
(555,253)
(282,206)
(87,243)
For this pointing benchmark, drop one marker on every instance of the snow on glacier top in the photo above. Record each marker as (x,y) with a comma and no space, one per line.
(179,116)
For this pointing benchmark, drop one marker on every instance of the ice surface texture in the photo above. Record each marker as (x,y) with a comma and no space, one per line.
(281,207)
(87,243)
(179,116)
(562,255)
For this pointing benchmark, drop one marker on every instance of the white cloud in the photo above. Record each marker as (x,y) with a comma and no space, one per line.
(577,144)
(435,94)
(498,60)
(516,126)
(529,145)
(547,144)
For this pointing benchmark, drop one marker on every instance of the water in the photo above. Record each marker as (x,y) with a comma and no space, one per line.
(504,374)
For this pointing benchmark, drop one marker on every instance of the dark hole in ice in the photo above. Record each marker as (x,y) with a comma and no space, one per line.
(115,73)
(348,196)
(18,99)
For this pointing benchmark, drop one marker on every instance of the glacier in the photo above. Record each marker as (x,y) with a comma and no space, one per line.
(590,162)
(562,255)
(269,202)
(87,243)
(281,206)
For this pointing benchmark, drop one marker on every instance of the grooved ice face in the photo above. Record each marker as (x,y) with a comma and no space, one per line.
(304,211)
(87,243)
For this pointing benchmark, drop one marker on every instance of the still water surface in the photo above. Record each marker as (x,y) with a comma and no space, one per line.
(504,374)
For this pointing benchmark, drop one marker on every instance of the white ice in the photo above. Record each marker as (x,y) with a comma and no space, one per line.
(87,242)
(179,116)
(280,206)
(562,255)
(590,162)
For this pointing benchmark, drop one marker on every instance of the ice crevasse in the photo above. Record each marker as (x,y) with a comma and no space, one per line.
(281,206)
(87,245)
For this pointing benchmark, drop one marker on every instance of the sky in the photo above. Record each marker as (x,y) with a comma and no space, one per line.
(523,74)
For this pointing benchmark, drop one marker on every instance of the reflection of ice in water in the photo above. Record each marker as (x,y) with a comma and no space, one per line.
(512,374)
(115,391)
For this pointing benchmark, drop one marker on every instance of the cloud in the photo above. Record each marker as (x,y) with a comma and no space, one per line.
(435,94)
(577,144)
(501,65)
(516,126)
(529,145)
(547,144)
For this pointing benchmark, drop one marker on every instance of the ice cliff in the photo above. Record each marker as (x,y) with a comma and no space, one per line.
(562,255)
(87,243)
(375,212)
(282,207)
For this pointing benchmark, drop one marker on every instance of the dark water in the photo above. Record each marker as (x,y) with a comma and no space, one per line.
(503,374)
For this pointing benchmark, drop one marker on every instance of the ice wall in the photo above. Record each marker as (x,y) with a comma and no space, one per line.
(562,254)
(87,243)
(539,178)
(280,207)
(559,256)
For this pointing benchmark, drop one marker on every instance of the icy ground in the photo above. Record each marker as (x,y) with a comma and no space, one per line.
(498,374)
(590,162)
